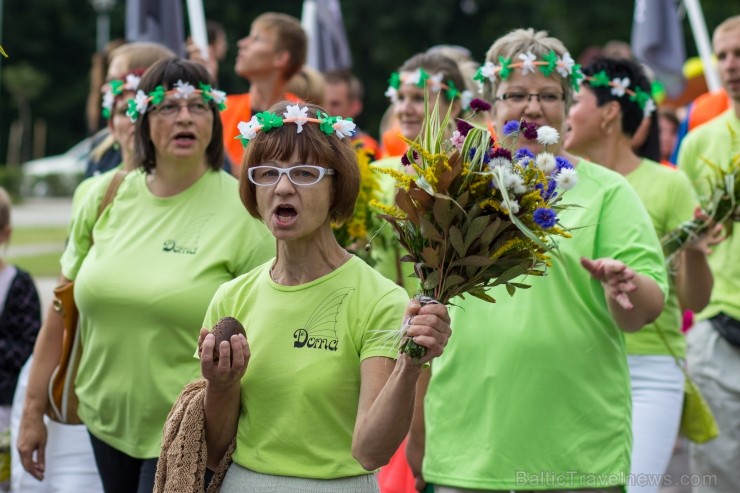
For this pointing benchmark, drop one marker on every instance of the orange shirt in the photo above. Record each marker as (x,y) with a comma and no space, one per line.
(707,106)
(393,144)
(239,109)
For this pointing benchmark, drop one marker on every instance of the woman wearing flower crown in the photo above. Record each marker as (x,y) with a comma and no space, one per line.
(172,234)
(439,78)
(313,399)
(532,393)
(613,101)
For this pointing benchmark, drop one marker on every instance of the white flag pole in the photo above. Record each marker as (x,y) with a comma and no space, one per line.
(197,21)
(701,38)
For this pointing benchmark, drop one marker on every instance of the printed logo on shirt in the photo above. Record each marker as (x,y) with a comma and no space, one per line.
(320,331)
(186,241)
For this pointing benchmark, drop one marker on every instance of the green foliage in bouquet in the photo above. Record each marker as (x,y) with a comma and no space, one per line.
(721,205)
(471,213)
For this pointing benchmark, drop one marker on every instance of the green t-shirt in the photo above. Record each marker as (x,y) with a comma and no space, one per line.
(670,200)
(300,393)
(712,141)
(142,290)
(386,251)
(536,385)
(83,189)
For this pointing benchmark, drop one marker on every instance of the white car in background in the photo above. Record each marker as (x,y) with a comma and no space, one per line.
(56,175)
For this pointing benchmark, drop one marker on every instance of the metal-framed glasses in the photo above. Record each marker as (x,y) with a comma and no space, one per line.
(301,175)
(172,108)
(521,98)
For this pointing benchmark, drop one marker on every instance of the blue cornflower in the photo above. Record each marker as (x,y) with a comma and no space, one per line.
(562,163)
(522,153)
(510,127)
(550,192)
(545,218)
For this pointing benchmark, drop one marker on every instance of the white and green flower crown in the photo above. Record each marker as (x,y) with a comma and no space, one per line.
(549,63)
(181,90)
(266,121)
(115,88)
(620,88)
(421,78)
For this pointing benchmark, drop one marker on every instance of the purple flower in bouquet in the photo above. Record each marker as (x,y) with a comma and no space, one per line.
(529,130)
(478,104)
(501,152)
(463,127)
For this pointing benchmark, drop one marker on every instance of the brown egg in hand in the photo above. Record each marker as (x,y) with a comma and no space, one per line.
(223,330)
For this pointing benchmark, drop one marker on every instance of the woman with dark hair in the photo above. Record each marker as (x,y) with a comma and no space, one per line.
(315,396)
(143,279)
(612,105)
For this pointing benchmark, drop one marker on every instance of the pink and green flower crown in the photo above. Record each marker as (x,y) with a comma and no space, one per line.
(115,88)
(181,90)
(566,66)
(266,121)
(620,88)
(421,78)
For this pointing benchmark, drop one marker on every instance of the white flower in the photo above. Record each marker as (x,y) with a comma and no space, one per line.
(528,60)
(514,207)
(183,90)
(344,128)
(457,139)
(517,184)
(435,82)
(142,101)
(392,94)
(567,178)
(546,162)
(298,114)
(249,129)
(619,86)
(501,162)
(649,108)
(413,78)
(488,70)
(219,97)
(108,100)
(547,135)
(465,98)
(132,82)
(564,65)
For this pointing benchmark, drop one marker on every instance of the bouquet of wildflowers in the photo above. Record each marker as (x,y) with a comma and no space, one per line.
(720,205)
(354,234)
(475,213)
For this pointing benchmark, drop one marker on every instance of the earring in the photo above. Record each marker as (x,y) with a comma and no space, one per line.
(116,146)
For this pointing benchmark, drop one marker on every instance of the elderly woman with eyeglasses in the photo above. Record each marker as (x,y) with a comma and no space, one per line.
(144,278)
(316,395)
(533,393)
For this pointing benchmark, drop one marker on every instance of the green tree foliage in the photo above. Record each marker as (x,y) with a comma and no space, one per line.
(57,37)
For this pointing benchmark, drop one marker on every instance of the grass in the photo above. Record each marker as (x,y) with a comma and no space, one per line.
(45,234)
(44,264)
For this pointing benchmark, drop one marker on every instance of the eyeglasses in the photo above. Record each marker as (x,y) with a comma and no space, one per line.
(522,98)
(171,108)
(301,175)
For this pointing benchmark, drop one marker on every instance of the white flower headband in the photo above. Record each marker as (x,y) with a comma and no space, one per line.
(266,121)
(421,78)
(115,88)
(566,66)
(620,88)
(181,90)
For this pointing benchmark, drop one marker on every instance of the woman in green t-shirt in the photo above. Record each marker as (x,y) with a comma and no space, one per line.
(612,104)
(312,395)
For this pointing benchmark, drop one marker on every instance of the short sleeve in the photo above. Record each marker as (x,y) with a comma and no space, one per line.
(381,333)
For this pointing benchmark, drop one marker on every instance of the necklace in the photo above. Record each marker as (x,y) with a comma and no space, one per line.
(341,262)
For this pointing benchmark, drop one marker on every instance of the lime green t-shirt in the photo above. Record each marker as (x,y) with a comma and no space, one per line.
(300,392)
(386,251)
(83,189)
(712,141)
(533,391)
(142,290)
(670,200)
